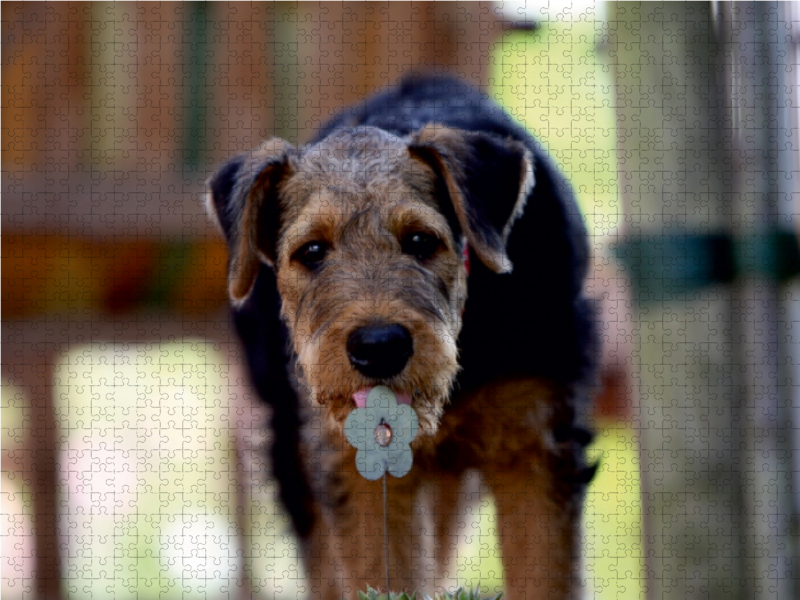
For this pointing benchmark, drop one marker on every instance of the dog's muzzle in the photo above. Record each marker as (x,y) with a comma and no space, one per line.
(380,351)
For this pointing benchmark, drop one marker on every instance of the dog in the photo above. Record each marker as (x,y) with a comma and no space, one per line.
(423,241)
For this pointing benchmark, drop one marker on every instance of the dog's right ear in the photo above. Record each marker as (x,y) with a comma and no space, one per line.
(488,180)
(243,202)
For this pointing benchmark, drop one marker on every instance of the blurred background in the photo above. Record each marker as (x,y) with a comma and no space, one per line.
(132,444)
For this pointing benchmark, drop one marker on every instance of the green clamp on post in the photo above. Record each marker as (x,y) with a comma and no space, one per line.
(669,266)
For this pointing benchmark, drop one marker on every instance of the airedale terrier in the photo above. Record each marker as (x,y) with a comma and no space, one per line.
(421,241)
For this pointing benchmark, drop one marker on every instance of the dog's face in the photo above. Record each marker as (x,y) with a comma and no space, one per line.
(366,233)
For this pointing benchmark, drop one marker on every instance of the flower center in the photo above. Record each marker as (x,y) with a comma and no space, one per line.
(383,434)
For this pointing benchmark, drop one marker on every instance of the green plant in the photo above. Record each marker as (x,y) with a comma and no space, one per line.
(459,594)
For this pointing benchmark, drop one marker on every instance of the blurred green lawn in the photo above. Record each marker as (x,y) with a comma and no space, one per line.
(554,82)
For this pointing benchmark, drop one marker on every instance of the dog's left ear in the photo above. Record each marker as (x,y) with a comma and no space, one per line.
(243,201)
(488,180)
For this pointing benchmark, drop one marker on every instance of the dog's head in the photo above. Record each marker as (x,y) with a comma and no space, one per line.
(366,232)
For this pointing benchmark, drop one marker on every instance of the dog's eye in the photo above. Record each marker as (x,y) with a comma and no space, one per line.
(312,254)
(420,245)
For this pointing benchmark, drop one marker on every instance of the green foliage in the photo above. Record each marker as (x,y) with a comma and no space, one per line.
(459,594)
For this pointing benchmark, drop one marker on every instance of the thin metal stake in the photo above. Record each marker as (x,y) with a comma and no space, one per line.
(385,533)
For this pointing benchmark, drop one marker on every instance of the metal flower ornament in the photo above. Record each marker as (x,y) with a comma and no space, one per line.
(382,431)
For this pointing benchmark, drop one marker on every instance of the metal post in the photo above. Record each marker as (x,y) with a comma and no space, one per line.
(707,161)
(675,180)
(756,42)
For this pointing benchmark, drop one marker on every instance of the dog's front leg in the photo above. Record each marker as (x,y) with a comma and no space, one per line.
(346,550)
(538,513)
(436,527)
(537,537)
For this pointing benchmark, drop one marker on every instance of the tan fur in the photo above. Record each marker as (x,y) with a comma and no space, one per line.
(362,205)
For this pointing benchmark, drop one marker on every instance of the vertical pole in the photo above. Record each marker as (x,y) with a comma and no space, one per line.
(40,466)
(675,181)
(757,45)
(196,88)
(385,534)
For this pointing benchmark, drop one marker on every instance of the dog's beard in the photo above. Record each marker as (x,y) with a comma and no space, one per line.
(331,382)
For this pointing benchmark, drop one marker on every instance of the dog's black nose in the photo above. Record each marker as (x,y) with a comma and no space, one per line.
(380,351)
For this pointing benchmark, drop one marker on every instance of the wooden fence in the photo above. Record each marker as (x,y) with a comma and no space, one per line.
(113,116)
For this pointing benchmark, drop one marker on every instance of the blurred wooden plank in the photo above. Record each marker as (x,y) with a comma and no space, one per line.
(240,74)
(156,58)
(137,92)
(106,204)
(329,55)
(44,118)
(76,276)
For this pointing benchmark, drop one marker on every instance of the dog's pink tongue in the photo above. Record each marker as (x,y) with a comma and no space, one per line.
(360,397)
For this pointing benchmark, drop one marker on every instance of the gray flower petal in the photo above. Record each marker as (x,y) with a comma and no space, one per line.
(372,459)
(400,462)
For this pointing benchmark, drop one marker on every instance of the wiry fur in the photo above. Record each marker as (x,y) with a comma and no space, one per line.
(495,386)
(359,190)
